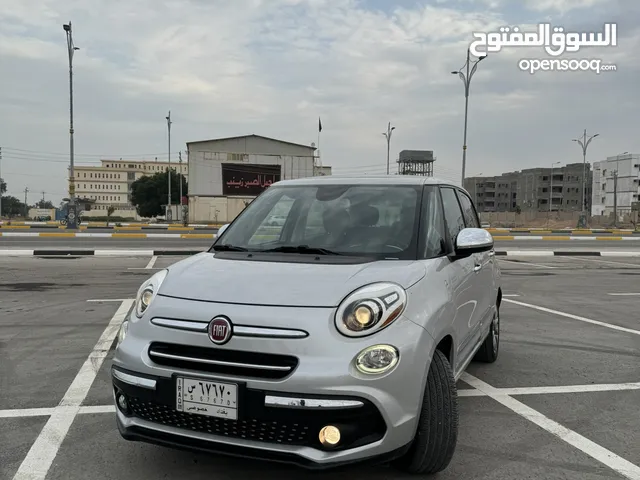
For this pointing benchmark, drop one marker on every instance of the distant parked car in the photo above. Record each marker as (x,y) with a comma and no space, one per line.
(320,348)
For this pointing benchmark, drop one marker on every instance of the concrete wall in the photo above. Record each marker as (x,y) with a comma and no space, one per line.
(216,209)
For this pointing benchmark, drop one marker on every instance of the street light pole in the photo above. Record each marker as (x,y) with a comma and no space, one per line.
(387,134)
(466,77)
(72,217)
(584,144)
(168,117)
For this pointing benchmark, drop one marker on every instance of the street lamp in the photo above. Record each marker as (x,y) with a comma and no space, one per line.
(168,118)
(72,217)
(466,74)
(387,134)
(584,143)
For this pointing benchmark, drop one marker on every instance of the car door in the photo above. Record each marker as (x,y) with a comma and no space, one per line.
(484,265)
(462,282)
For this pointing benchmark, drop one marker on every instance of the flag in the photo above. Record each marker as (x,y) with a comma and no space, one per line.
(319,125)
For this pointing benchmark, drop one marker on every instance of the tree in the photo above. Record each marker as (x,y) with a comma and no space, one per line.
(110,210)
(44,204)
(3,186)
(11,206)
(149,193)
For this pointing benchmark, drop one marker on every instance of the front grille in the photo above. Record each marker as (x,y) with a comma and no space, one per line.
(265,431)
(221,361)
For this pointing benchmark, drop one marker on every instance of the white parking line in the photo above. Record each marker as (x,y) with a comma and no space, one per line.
(528,263)
(152,262)
(608,262)
(100,300)
(624,294)
(44,450)
(574,317)
(595,451)
(26,412)
(510,295)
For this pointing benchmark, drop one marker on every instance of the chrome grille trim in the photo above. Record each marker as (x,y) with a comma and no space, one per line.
(222,363)
(238,330)
(294,402)
(134,379)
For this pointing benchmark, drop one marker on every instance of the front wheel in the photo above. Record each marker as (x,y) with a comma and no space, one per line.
(435,442)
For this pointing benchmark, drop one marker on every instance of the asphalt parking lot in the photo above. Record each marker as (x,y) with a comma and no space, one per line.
(560,403)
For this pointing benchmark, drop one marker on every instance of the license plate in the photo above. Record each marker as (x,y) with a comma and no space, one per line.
(204,397)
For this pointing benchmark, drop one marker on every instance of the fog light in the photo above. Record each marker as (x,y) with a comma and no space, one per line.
(377,359)
(122,402)
(329,436)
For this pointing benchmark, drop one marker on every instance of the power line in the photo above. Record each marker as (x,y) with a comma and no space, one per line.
(113,156)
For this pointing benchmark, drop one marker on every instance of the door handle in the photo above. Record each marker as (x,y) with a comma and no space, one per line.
(477,267)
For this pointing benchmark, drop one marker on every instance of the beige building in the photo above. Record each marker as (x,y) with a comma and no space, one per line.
(228,173)
(110,183)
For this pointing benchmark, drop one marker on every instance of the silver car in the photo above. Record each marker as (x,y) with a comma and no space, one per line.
(334,338)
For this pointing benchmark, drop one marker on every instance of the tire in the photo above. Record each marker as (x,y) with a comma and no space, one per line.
(490,349)
(437,435)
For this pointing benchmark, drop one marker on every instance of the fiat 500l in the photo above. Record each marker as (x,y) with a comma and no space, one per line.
(336,336)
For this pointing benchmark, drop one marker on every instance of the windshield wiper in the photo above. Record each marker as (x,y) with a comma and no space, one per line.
(302,249)
(229,248)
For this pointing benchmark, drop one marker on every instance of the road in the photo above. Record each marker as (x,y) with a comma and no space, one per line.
(560,402)
(202,244)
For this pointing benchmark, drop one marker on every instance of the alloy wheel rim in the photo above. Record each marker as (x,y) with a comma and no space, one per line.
(495,332)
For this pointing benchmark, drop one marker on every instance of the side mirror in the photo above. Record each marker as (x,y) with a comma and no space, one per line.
(473,240)
(222,229)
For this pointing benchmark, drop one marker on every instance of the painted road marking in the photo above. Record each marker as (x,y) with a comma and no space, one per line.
(608,262)
(624,294)
(44,450)
(151,263)
(527,263)
(574,317)
(595,451)
(100,300)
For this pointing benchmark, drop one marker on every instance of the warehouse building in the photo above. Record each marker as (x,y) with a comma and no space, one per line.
(226,174)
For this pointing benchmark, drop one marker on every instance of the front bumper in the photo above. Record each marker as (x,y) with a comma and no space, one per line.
(381,426)
(264,430)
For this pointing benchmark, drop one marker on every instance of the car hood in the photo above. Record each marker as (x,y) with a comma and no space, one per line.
(206,278)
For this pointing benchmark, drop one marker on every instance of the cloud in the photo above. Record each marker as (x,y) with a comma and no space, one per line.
(273,66)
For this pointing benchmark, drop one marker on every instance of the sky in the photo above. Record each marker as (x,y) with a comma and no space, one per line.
(273,67)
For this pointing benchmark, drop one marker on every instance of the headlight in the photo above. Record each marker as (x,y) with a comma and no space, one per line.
(122,333)
(370,309)
(148,291)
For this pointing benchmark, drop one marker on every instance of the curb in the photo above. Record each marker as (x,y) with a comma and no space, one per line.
(150,253)
(124,228)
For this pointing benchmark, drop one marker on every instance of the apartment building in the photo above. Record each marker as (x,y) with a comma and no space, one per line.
(110,183)
(617,177)
(557,188)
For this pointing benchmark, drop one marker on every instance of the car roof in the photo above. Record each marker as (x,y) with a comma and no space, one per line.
(366,180)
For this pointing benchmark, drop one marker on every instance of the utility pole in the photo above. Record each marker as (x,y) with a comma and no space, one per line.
(387,134)
(26,207)
(0,182)
(466,80)
(584,144)
(180,180)
(72,220)
(168,117)
(615,198)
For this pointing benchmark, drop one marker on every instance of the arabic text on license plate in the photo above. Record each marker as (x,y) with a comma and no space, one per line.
(203,397)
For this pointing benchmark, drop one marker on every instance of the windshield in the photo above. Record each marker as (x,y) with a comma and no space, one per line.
(369,220)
